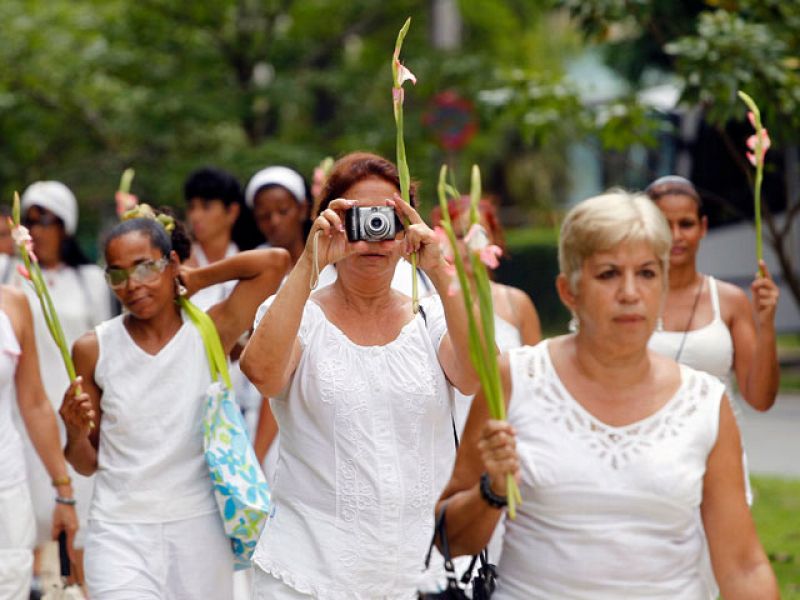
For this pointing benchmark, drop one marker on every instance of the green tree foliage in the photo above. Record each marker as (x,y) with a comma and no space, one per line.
(93,86)
(717,47)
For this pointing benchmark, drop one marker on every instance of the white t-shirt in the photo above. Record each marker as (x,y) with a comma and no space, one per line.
(366,447)
(150,463)
(607,512)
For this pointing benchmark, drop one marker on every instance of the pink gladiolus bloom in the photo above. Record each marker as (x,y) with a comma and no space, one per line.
(476,239)
(489,256)
(24,272)
(125,202)
(404,74)
(318,181)
(21,235)
(751,143)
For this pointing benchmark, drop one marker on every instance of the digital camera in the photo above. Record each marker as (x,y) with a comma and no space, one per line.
(371,223)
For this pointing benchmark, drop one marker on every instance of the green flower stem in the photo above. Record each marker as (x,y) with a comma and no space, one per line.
(482,347)
(126,180)
(402,161)
(759,154)
(46,302)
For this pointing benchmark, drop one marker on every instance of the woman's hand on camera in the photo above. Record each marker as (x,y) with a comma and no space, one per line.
(498,448)
(419,238)
(332,244)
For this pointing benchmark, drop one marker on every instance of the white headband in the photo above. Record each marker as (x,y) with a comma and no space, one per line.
(282,176)
(55,197)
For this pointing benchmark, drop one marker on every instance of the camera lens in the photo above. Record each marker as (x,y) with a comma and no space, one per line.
(377,226)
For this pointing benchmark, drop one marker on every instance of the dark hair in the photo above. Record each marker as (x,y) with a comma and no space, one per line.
(486,208)
(178,240)
(72,254)
(211,183)
(355,167)
(674,185)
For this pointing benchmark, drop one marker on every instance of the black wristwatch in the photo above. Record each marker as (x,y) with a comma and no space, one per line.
(487,494)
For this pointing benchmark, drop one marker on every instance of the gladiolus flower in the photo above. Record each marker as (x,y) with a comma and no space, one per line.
(404,74)
(24,272)
(125,202)
(752,143)
(490,255)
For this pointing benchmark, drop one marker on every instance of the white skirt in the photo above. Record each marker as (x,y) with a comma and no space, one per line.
(17,528)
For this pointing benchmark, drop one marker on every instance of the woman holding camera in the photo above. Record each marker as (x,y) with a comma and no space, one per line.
(358,385)
(616,447)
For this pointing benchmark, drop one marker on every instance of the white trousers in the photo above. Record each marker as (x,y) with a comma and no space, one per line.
(188,559)
(267,587)
(17,527)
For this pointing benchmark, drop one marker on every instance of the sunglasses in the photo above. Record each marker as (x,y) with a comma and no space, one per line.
(144,272)
(45,220)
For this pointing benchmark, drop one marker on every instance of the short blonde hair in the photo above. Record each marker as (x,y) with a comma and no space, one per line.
(603,222)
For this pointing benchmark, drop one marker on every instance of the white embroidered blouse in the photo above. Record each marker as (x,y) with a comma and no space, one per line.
(607,512)
(366,448)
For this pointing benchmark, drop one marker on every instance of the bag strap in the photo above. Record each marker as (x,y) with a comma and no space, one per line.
(440,531)
(217,361)
(440,528)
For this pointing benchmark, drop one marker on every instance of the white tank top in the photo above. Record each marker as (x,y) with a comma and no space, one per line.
(709,348)
(151,467)
(13,471)
(607,512)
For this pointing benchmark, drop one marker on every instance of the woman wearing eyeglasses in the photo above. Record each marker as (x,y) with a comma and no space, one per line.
(81,299)
(153,527)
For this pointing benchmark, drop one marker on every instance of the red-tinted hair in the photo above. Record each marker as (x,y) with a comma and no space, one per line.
(458,208)
(353,168)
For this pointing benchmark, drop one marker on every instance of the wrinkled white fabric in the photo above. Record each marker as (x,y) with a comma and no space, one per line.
(150,463)
(16,542)
(608,512)
(186,559)
(366,447)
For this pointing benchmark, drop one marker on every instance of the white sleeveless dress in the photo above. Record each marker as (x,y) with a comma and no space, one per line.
(16,512)
(608,512)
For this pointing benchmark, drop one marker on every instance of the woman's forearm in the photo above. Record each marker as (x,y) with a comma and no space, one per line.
(81,454)
(242,266)
(268,354)
(470,521)
(756,583)
(457,329)
(763,376)
(42,427)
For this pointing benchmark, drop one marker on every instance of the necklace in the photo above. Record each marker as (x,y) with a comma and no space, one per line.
(691,318)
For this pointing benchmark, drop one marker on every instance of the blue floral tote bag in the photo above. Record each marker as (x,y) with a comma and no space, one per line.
(240,488)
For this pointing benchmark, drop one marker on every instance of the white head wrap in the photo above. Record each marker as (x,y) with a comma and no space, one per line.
(282,176)
(55,197)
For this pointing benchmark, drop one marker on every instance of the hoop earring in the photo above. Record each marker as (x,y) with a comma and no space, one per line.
(574,324)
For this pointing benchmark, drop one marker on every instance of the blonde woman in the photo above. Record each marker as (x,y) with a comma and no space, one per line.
(616,448)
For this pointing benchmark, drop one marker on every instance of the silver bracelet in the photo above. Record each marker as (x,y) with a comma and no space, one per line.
(65,501)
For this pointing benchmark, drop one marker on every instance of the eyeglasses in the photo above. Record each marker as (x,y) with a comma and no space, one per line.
(45,220)
(144,272)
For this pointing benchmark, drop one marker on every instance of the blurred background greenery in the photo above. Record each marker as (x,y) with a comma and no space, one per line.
(554,99)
